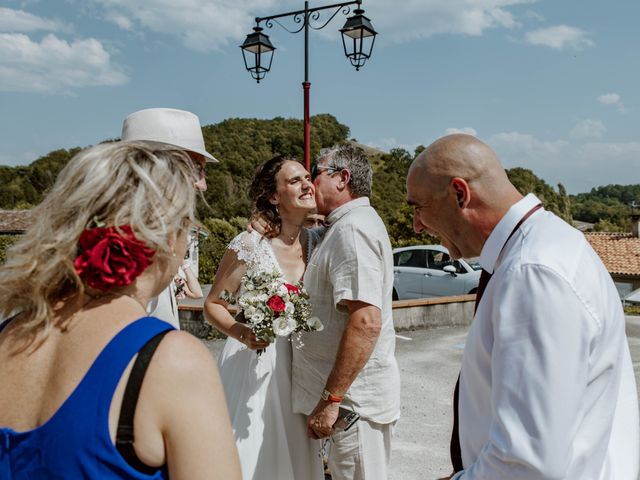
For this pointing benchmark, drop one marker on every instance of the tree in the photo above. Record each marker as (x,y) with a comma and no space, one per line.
(527,182)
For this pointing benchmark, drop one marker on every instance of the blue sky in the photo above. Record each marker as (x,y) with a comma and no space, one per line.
(552,85)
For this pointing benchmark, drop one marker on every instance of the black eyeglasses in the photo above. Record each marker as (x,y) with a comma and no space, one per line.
(317,170)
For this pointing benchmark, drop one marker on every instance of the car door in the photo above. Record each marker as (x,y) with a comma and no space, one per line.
(408,272)
(438,283)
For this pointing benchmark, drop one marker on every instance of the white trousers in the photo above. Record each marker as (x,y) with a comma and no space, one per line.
(362,452)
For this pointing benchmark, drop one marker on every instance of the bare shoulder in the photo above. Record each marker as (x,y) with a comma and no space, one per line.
(180,353)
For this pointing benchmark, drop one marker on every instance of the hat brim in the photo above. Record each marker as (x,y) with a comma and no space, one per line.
(208,158)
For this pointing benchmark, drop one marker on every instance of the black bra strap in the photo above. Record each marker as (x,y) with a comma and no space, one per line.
(124,437)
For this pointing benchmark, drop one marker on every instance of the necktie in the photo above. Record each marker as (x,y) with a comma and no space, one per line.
(454,446)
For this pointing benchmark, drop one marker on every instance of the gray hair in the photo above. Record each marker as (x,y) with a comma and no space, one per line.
(354,159)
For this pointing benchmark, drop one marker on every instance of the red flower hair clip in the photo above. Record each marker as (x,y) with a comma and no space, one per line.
(110,257)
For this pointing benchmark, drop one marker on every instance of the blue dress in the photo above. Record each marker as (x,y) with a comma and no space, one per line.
(75,442)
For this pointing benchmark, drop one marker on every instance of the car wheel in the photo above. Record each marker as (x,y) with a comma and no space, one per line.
(394,295)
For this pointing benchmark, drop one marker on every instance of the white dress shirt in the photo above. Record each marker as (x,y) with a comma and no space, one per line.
(353,262)
(547,389)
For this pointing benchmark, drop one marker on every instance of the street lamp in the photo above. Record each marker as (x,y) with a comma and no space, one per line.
(255,45)
(358,37)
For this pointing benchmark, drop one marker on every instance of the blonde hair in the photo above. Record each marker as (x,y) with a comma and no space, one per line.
(125,183)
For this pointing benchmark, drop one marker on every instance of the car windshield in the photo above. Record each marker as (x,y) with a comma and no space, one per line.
(474,264)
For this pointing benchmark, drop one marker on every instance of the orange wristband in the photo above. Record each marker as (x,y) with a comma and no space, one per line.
(330,397)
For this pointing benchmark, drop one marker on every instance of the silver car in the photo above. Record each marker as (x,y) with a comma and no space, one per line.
(428,271)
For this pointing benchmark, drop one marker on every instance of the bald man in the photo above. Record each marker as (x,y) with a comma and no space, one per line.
(546,388)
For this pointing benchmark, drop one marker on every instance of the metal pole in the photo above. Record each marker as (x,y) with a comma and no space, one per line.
(306,87)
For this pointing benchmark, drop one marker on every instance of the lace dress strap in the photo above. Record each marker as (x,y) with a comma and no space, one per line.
(254,250)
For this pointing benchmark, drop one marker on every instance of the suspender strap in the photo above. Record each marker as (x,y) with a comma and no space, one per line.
(124,436)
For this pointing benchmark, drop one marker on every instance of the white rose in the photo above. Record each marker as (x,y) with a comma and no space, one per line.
(289,308)
(315,324)
(282,290)
(283,326)
(249,286)
(257,317)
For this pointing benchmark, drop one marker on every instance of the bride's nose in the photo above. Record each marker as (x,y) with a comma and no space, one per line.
(307,184)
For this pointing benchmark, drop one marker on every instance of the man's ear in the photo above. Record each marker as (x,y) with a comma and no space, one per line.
(345,176)
(461,190)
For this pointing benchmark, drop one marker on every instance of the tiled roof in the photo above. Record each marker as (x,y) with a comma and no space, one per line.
(14,221)
(620,252)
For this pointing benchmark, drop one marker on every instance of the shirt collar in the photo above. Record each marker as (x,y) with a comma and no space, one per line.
(499,235)
(342,210)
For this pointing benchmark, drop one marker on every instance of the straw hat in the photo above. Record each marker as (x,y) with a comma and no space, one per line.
(177,128)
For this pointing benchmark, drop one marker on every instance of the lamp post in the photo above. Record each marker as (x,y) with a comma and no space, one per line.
(358,37)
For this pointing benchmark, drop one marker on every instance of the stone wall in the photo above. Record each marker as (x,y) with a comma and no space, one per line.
(407,314)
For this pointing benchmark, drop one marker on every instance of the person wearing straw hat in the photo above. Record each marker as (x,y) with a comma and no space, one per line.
(175,129)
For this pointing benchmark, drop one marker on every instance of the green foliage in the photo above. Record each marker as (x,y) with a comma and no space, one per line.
(26,186)
(608,207)
(527,182)
(632,309)
(389,197)
(242,144)
(221,232)
(5,242)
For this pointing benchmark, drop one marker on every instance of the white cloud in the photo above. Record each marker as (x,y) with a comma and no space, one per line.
(54,65)
(206,25)
(121,21)
(588,128)
(578,166)
(559,37)
(609,99)
(202,25)
(614,150)
(612,99)
(413,19)
(20,21)
(467,130)
(387,144)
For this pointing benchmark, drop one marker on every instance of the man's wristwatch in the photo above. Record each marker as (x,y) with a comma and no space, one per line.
(327,396)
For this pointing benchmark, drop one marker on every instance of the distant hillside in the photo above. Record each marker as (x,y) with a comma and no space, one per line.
(241,144)
(608,207)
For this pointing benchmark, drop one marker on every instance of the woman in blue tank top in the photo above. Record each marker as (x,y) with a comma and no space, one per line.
(73,292)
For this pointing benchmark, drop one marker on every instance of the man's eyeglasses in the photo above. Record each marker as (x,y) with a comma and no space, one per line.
(317,170)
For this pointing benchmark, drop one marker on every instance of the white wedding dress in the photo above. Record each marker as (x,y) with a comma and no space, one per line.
(272,440)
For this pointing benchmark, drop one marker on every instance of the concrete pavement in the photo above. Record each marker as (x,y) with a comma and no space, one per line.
(429,361)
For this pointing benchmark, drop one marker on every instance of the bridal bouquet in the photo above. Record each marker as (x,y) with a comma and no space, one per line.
(272,307)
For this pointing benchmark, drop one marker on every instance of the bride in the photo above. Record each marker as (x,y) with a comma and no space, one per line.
(272,441)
